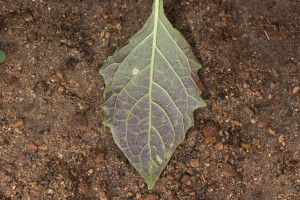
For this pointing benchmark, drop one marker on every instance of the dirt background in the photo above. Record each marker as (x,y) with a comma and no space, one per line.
(245,143)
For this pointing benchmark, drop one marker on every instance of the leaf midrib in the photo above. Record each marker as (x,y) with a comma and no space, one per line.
(154,44)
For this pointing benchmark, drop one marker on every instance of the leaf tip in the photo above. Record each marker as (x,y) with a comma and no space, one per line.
(150,182)
(150,186)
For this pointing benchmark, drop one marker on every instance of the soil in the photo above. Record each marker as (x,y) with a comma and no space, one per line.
(245,143)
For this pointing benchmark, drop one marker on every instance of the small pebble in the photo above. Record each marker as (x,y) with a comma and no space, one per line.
(261,124)
(33,184)
(226,157)
(59,74)
(89,43)
(129,194)
(102,195)
(119,27)
(210,132)
(257,143)
(195,163)
(228,171)
(281,138)
(275,73)
(296,90)
(219,146)
(258,93)
(292,69)
(43,147)
(18,123)
(90,172)
(65,41)
(138,196)
(236,123)
(107,35)
(248,111)
(50,191)
(151,197)
(186,179)
(27,16)
(80,122)
(271,131)
(272,86)
(105,16)
(245,146)
(32,147)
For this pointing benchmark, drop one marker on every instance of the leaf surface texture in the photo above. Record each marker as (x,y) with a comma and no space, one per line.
(151,94)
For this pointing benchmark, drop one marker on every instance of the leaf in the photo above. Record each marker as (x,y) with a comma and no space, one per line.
(151,94)
(2,56)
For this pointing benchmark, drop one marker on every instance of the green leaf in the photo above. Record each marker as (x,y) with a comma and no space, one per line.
(151,94)
(2,56)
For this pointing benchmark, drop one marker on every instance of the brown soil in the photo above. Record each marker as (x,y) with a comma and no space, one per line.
(245,144)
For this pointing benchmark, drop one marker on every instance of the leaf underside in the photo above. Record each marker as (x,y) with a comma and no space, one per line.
(151,94)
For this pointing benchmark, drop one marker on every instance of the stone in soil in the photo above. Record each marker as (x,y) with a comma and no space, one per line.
(245,145)
(228,171)
(186,180)
(219,146)
(119,27)
(210,132)
(195,163)
(80,122)
(151,197)
(18,123)
(27,16)
(271,131)
(262,124)
(296,89)
(248,111)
